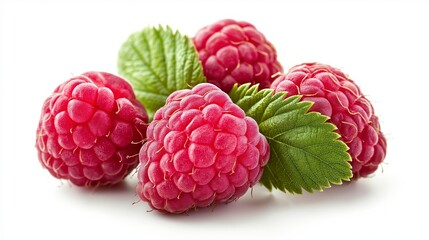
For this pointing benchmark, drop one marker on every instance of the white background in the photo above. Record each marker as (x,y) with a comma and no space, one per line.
(383,46)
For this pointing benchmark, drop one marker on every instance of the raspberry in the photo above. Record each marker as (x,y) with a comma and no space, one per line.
(236,52)
(335,95)
(91,130)
(201,149)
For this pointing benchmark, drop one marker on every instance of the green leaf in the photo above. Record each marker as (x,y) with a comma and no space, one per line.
(157,62)
(305,150)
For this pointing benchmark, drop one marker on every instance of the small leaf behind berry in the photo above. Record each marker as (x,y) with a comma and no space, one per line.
(157,62)
(305,150)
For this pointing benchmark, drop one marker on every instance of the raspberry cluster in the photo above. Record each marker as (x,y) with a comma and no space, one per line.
(200,149)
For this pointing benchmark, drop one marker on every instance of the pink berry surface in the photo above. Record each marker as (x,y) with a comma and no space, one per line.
(335,95)
(236,52)
(201,150)
(91,130)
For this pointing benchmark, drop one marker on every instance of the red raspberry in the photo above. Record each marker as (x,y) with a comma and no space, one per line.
(91,130)
(337,96)
(236,52)
(201,149)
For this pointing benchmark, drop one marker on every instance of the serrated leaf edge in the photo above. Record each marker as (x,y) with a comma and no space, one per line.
(249,90)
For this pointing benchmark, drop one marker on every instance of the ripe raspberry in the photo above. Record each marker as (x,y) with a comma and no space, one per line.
(201,149)
(91,130)
(236,52)
(337,96)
